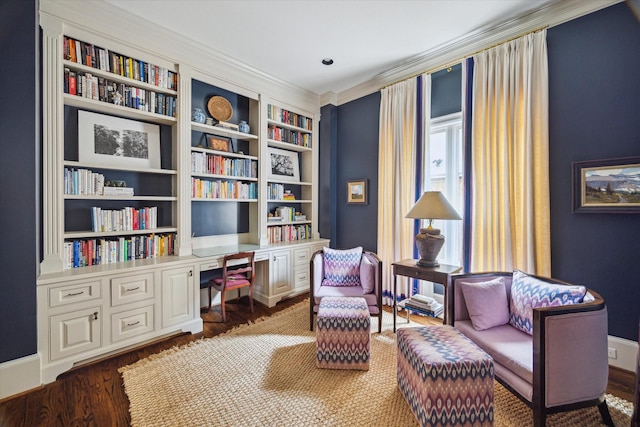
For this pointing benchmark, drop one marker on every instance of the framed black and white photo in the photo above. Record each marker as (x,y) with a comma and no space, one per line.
(607,186)
(117,142)
(284,165)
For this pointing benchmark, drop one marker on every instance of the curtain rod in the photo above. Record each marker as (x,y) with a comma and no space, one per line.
(458,61)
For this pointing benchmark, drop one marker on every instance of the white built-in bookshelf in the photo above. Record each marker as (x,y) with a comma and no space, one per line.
(128,238)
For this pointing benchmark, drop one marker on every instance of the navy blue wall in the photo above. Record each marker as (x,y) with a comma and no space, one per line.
(594,96)
(19,165)
(327,176)
(594,109)
(357,225)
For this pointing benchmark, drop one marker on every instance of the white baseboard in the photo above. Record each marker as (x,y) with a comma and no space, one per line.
(19,375)
(626,353)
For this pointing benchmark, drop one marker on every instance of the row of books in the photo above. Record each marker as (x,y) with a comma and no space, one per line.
(220,165)
(289,117)
(287,213)
(204,189)
(82,253)
(97,88)
(288,233)
(424,304)
(83,182)
(289,136)
(102,59)
(125,219)
(277,192)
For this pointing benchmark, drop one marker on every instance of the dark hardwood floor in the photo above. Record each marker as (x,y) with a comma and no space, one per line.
(93,394)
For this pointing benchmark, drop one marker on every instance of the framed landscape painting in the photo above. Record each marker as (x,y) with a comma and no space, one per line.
(357,191)
(607,186)
(115,142)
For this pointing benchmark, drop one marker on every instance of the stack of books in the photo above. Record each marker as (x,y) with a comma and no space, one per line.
(425,305)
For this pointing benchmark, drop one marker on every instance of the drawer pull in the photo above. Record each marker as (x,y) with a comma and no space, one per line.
(303,277)
(75,294)
(132,289)
(133,324)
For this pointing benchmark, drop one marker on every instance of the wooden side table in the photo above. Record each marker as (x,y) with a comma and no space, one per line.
(409,268)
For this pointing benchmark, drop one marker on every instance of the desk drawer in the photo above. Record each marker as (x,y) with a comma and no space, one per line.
(131,323)
(74,293)
(301,256)
(210,265)
(131,288)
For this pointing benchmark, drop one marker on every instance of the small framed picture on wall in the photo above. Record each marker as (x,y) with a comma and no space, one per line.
(357,191)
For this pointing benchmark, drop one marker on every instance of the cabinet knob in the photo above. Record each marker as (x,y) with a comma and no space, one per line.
(95,315)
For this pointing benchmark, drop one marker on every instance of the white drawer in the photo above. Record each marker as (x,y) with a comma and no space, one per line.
(262,256)
(301,277)
(131,323)
(301,256)
(74,293)
(128,289)
(210,265)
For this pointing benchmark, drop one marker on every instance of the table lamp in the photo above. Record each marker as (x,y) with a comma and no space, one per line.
(431,205)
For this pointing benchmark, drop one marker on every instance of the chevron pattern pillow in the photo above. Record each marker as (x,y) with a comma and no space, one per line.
(342,267)
(528,293)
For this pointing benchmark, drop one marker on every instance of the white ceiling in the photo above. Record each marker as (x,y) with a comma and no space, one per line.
(289,39)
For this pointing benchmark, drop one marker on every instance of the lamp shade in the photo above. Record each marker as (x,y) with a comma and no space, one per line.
(432,205)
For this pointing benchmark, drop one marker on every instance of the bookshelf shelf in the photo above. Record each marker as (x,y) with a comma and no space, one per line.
(117,78)
(224,177)
(96,234)
(102,197)
(76,165)
(104,107)
(287,146)
(229,133)
(220,199)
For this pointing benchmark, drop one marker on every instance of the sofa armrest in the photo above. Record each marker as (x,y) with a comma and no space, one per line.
(317,272)
(570,342)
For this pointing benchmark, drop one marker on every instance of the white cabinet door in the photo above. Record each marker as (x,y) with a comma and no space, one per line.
(75,332)
(280,272)
(177,295)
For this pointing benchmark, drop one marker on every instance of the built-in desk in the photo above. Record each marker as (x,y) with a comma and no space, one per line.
(282,269)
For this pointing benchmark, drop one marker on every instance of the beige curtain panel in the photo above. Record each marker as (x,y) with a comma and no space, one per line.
(510,155)
(396,179)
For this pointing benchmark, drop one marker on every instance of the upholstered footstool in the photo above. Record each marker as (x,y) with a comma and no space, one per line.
(445,378)
(343,333)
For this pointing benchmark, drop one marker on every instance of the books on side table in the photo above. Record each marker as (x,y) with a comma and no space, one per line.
(424,304)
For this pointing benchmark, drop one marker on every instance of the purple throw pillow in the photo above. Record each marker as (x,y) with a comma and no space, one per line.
(528,293)
(342,267)
(486,303)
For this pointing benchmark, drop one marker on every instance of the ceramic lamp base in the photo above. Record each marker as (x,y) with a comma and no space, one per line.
(429,242)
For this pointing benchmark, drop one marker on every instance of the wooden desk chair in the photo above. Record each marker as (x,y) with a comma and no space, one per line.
(238,271)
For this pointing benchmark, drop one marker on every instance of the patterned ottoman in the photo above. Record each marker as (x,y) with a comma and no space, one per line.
(343,333)
(445,378)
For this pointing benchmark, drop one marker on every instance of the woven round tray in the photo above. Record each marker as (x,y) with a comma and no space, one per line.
(219,108)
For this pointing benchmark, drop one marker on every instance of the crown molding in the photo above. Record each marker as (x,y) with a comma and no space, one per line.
(456,50)
(112,23)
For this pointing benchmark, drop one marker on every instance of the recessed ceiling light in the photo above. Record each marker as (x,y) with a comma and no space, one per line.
(327,61)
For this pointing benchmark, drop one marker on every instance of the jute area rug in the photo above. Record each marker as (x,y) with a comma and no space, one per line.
(264,374)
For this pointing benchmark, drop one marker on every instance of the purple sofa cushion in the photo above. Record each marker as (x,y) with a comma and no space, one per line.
(486,303)
(528,293)
(508,346)
(342,267)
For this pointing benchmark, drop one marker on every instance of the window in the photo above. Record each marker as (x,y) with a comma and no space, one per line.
(443,166)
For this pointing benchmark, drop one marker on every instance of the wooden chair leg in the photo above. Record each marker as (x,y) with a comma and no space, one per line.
(224,313)
(251,298)
(604,413)
(209,309)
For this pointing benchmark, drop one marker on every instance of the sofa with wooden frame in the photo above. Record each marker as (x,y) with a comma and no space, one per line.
(562,366)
